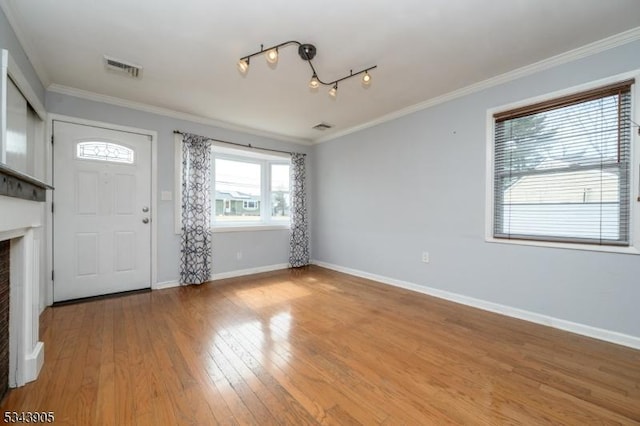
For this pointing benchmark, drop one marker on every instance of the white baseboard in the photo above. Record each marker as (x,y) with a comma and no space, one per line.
(250,271)
(33,363)
(223,275)
(166,284)
(585,330)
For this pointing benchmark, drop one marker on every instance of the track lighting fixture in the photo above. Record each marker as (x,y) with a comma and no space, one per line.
(307,52)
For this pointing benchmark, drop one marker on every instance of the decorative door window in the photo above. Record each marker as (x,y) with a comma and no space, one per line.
(105,151)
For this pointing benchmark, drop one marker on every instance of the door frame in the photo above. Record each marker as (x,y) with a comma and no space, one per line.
(154,190)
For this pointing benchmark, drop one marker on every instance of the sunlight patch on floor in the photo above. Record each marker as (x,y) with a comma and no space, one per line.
(274,294)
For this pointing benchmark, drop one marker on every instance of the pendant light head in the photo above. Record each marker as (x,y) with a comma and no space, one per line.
(333,92)
(366,78)
(243,65)
(272,56)
(314,83)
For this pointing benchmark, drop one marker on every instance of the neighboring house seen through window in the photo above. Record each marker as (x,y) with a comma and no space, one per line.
(562,169)
(249,188)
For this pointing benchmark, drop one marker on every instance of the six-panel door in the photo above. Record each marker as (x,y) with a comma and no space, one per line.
(102,231)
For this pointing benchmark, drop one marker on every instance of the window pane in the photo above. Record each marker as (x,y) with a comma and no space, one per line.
(105,151)
(280,177)
(280,204)
(581,204)
(237,197)
(564,173)
(280,199)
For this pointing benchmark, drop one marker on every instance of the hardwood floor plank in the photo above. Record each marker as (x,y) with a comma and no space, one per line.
(106,391)
(123,383)
(239,412)
(268,374)
(281,413)
(313,346)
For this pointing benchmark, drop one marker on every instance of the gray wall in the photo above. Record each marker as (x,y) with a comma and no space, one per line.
(259,248)
(431,167)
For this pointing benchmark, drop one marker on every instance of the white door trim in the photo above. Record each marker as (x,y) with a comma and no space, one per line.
(154,189)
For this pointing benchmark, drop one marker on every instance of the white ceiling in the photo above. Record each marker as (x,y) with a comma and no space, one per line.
(189,50)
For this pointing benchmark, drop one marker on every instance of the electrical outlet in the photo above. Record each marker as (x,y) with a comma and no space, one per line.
(425,256)
(239,255)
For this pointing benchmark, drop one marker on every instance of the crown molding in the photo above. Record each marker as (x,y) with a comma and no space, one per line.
(563,58)
(112,100)
(26,43)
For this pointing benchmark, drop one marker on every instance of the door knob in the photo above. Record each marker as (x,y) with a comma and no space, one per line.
(145,220)
(145,209)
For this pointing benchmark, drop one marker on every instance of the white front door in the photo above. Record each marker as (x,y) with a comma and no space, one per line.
(102,201)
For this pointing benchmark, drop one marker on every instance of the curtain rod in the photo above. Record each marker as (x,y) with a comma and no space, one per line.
(178,132)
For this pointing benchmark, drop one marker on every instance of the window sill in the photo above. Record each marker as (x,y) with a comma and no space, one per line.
(250,228)
(585,247)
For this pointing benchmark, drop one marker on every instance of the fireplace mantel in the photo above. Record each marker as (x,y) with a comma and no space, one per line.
(19,185)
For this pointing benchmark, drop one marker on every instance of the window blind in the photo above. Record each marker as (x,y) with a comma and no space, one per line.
(562,168)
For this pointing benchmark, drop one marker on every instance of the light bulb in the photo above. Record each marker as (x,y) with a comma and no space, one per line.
(333,92)
(314,83)
(272,56)
(366,79)
(243,65)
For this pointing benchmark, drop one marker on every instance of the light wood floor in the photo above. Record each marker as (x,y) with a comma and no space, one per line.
(316,346)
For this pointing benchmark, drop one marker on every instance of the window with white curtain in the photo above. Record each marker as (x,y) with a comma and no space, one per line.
(563,170)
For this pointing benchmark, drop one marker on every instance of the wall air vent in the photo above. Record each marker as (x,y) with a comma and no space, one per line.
(132,70)
(322,126)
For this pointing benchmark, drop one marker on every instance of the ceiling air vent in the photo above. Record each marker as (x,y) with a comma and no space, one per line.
(322,126)
(132,70)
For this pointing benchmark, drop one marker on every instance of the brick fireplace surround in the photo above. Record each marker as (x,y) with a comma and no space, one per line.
(5,250)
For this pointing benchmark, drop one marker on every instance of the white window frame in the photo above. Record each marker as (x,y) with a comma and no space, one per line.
(634,224)
(265,222)
(250,204)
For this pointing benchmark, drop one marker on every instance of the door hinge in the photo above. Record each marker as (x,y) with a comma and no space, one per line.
(51,208)
(51,139)
(52,275)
